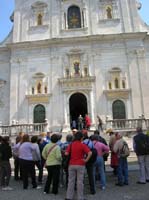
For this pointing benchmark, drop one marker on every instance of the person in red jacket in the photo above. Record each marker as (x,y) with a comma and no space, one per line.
(79,155)
(87,122)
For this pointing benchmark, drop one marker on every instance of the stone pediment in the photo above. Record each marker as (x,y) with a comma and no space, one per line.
(117,93)
(77,83)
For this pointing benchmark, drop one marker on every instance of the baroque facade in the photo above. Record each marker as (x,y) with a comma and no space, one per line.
(64,58)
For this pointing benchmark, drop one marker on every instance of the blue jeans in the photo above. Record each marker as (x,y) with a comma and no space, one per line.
(99,164)
(122,171)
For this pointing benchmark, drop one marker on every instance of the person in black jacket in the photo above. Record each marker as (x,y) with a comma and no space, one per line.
(6,154)
(141,145)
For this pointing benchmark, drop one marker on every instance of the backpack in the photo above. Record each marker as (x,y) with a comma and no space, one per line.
(147,145)
(124,151)
(102,140)
(94,154)
(142,145)
(66,158)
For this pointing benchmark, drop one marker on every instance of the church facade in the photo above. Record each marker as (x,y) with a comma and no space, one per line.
(65,58)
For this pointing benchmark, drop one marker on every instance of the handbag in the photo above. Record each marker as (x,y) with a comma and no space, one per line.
(66,159)
(50,152)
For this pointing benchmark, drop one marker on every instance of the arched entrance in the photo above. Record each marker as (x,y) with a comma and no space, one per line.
(77,106)
(118,109)
(39,114)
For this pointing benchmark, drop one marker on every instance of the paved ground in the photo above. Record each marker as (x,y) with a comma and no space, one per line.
(112,192)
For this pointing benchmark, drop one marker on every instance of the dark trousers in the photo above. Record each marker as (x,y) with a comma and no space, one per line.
(5,173)
(28,168)
(89,168)
(53,177)
(17,169)
(38,164)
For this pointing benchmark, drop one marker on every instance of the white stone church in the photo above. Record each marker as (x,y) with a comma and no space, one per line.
(64,58)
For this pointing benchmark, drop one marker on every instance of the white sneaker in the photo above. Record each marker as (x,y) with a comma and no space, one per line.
(38,187)
(7,188)
(103,187)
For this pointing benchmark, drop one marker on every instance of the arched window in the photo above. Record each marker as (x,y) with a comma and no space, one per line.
(85,71)
(123,84)
(45,89)
(110,85)
(39,19)
(74,17)
(116,82)
(118,109)
(39,114)
(109,12)
(39,88)
(33,90)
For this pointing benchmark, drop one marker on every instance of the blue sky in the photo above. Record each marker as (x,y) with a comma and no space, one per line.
(7,6)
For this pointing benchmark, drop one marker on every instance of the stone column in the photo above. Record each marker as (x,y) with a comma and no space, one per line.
(66,126)
(92,110)
(140,53)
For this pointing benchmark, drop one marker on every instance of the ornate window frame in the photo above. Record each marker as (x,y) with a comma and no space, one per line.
(116,84)
(38,9)
(65,5)
(103,16)
(38,89)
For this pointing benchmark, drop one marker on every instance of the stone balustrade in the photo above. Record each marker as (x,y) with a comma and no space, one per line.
(127,125)
(122,125)
(31,129)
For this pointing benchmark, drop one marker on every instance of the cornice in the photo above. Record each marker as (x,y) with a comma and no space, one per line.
(82,39)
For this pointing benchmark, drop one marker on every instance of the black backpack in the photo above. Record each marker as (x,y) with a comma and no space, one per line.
(93,156)
(142,145)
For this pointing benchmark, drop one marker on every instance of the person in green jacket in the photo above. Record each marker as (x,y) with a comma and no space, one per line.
(52,154)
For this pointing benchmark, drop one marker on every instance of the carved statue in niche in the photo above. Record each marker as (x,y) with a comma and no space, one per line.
(76,67)
(109,13)
(39,88)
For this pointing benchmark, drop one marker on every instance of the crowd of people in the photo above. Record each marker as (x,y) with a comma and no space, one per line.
(84,152)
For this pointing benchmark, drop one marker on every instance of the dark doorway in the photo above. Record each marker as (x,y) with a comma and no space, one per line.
(77,106)
(39,114)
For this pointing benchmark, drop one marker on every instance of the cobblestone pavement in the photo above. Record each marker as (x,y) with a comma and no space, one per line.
(112,192)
